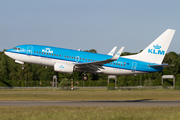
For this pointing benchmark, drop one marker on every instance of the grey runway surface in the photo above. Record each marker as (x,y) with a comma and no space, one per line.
(91,103)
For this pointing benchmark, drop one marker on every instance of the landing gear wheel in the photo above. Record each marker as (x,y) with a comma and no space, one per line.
(22,67)
(85,77)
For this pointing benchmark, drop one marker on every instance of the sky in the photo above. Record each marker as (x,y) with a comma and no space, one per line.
(88,24)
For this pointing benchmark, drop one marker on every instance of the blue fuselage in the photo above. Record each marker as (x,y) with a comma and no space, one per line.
(37,53)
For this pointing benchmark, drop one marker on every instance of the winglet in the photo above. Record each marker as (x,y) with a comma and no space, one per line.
(117,55)
(111,53)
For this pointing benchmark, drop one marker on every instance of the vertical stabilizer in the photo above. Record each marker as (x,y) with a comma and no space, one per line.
(156,51)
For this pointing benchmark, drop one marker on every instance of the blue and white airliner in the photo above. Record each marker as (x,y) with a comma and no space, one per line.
(67,60)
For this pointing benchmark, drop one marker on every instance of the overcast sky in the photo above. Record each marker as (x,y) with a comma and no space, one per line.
(88,24)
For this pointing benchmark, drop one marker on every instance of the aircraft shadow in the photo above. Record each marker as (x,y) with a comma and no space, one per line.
(134,101)
(116,101)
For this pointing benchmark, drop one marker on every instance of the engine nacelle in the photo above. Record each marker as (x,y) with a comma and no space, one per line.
(63,67)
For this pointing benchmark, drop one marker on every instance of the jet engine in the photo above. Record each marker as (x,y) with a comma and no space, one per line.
(63,67)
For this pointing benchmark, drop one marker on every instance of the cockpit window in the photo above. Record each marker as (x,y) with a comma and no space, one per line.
(17,48)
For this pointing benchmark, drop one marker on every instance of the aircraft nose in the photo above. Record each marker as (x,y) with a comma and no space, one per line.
(7,53)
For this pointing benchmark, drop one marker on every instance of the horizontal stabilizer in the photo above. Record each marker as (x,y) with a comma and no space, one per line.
(161,65)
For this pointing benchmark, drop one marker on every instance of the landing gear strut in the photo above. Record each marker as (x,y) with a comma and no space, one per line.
(85,77)
(22,67)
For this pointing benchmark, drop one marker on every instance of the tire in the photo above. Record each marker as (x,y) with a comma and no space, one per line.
(85,77)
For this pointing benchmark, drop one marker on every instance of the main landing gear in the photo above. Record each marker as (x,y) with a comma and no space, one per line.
(85,77)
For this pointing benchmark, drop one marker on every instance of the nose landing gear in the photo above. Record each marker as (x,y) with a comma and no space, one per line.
(22,67)
(85,77)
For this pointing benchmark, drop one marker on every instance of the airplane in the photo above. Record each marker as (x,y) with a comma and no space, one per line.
(67,60)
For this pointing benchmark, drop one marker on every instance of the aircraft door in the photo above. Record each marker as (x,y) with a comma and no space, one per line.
(29,50)
(134,64)
(77,59)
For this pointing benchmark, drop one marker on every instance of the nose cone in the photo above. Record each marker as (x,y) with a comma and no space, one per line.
(7,53)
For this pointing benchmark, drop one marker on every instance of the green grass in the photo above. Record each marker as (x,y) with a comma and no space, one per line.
(89,95)
(89,113)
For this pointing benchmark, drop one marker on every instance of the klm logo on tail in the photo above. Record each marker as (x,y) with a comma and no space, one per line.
(156,50)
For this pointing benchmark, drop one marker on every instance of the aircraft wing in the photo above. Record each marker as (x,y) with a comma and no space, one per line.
(92,66)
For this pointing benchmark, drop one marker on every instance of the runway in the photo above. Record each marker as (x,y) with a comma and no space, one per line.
(91,103)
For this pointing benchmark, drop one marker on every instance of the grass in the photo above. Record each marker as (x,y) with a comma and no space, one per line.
(89,113)
(89,95)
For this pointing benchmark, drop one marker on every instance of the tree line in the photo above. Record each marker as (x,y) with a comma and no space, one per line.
(12,75)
